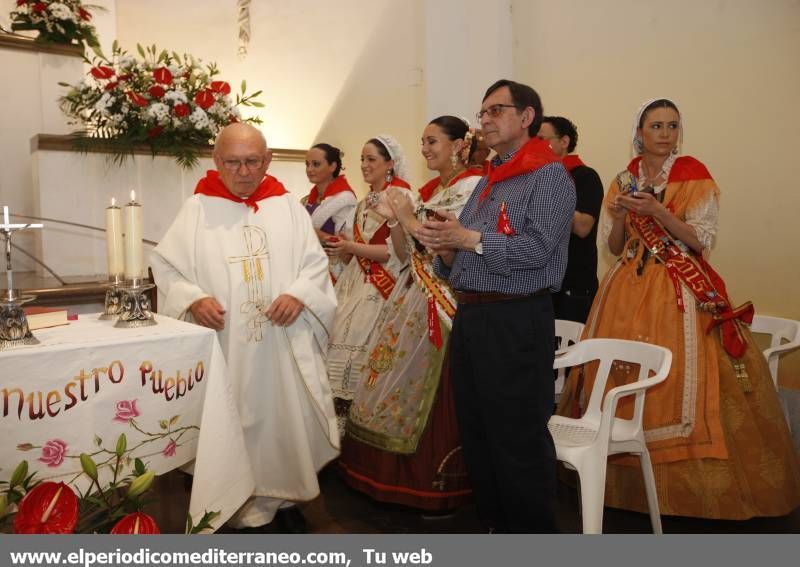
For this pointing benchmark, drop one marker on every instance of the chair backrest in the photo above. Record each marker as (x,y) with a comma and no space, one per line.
(784,336)
(567,334)
(650,358)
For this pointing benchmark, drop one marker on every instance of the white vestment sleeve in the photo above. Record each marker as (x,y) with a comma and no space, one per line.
(173,262)
(314,289)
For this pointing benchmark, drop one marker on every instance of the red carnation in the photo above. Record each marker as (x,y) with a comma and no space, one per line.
(220,87)
(84,14)
(154,132)
(181,109)
(39,7)
(163,76)
(102,72)
(156,91)
(137,99)
(204,99)
(136,523)
(50,508)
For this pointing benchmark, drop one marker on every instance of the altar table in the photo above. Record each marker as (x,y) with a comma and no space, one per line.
(165,387)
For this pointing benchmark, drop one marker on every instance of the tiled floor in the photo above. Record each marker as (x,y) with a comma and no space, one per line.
(340,509)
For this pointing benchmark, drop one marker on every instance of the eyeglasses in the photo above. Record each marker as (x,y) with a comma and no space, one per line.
(249,163)
(493,111)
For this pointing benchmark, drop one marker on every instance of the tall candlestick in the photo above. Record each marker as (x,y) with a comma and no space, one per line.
(133,238)
(114,247)
(9,272)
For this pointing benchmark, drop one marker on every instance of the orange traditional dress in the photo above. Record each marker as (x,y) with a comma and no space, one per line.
(402,444)
(715,429)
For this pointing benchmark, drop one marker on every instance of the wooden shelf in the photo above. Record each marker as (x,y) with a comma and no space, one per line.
(66,143)
(77,290)
(22,43)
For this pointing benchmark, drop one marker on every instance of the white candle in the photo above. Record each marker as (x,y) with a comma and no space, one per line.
(133,238)
(114,246)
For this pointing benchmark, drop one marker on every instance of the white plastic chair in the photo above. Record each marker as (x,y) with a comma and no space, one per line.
(567,334)
(780,330)
(585,443)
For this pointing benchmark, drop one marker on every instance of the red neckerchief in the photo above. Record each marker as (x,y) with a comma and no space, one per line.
(338,185)
(427,190)
(213,186)
(685,168)
(534,154)
(571,161)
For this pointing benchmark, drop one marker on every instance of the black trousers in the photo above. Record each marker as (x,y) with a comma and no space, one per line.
(575,305)
(502,372)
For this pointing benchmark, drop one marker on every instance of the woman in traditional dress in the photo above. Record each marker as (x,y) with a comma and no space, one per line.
(402,444)
(331,201)
(715,431)
(370,275)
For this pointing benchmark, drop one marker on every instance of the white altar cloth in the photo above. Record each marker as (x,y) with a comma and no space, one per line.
(165,387)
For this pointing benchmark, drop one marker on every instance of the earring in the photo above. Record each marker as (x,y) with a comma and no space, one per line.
(675,150)
(389,175)
(454,160)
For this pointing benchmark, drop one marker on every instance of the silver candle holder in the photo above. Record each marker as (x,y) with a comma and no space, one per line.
(135,310)
(14,330)
(113,301)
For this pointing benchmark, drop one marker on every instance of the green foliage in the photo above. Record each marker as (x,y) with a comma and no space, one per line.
(61,21)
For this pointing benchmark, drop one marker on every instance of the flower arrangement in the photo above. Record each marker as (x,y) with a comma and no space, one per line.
(59,21)
(116,484)
(170,103)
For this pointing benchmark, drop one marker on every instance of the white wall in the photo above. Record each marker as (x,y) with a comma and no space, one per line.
(335,72)
(732,67)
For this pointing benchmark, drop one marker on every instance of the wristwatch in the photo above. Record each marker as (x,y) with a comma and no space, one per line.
(478,249)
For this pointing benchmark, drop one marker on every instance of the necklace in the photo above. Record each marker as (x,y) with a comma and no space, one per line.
(649,181)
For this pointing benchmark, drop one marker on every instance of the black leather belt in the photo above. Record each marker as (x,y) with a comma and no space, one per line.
(471,297)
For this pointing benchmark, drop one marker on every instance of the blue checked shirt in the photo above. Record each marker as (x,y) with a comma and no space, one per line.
(540,206)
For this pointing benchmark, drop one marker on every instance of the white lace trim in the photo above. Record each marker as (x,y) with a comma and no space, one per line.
(703,217)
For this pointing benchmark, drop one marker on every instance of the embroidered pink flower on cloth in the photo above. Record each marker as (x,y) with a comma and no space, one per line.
(169,450)
(126,410)
(53,452)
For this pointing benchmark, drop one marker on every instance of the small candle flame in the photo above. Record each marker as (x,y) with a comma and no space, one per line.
(113,202)
(133,196)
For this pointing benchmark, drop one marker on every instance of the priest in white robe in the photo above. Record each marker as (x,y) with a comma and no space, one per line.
(242,258)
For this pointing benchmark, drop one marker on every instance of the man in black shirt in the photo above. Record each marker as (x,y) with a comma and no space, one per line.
(580,281)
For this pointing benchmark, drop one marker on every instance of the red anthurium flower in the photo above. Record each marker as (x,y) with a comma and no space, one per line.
(154,131)
(39,7)
(156,91)
(137,99)
(136,523)
(124,76)
(163,76)
(21,2)
(50,508)
(102,72)
(84,14)
(181,109)
(112,85)
(220,87)
(204,99)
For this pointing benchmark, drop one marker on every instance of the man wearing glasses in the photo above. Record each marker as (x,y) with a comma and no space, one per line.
(503,257)
(242,258)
